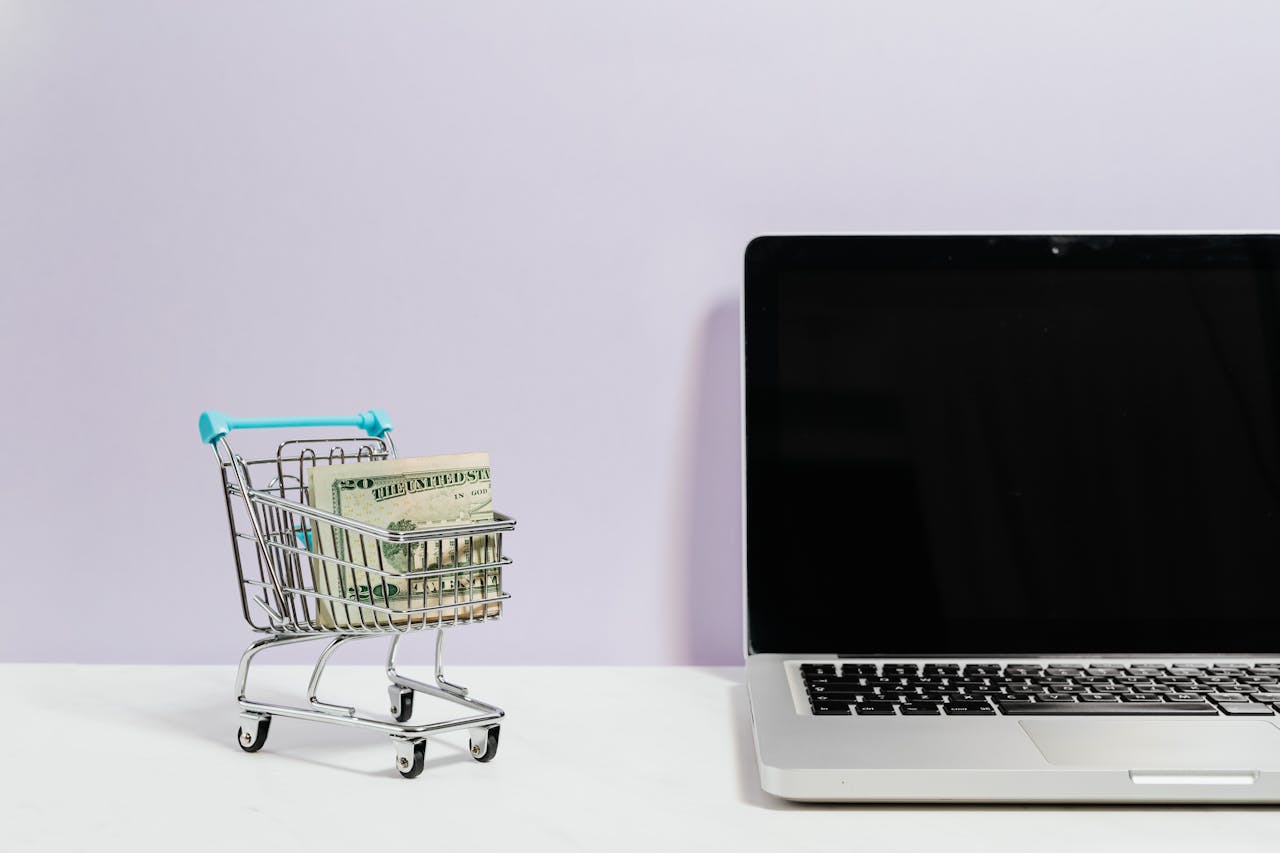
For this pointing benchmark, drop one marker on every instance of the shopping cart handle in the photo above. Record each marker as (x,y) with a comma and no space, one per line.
(214,425)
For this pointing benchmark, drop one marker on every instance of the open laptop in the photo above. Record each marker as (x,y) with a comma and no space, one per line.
(1012,521)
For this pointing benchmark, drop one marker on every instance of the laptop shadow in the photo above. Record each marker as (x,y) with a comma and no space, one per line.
(711,571)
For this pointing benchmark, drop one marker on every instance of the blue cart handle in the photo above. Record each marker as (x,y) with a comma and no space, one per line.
(214,425)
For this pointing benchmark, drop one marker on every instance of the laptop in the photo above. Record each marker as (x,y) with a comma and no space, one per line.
(1012,517)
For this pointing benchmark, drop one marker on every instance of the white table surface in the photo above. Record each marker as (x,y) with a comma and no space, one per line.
(591,758)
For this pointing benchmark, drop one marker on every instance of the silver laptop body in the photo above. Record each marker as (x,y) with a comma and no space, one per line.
(1012,517)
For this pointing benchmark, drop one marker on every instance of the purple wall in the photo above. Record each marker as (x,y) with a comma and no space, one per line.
(517,227)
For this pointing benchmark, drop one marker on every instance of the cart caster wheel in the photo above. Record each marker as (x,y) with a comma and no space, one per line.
(401,702)
(253,734)
(484,743)
(411,757)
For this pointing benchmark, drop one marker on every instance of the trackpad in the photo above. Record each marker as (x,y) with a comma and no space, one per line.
(1157,744)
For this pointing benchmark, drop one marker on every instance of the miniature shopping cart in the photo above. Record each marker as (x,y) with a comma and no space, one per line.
(293,590)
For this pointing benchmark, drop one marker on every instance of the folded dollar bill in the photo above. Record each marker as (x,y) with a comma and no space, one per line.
(403,495)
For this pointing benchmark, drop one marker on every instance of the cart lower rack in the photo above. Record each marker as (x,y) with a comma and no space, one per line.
(294,592)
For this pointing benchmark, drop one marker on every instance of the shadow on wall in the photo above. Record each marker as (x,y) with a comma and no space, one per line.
(712,569)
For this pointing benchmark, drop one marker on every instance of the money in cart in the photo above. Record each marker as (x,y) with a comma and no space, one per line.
(309,572)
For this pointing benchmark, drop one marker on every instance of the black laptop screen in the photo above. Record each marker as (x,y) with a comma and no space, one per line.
(1013,445)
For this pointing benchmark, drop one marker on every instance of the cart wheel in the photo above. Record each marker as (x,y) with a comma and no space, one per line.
(484,743)
(411,757)
(401,702)
(253,739)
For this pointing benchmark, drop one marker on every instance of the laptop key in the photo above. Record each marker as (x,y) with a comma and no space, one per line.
(900,669)
(967,709)
(1228,697)
(1183,697)
(831,709)
(1131,709)
(1017,671)
(1244,708)
(844,687)
(882,709)
(840,696)
(858,669)
(818,668)
(916,709)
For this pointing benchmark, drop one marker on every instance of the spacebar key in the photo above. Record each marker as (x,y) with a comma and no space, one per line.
(1107,709)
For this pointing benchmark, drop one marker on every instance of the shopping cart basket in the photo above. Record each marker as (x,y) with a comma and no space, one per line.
(286,583)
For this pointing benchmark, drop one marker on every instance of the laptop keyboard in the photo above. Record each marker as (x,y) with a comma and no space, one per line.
(989,689)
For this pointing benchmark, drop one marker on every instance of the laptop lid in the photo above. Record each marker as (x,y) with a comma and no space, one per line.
(1012,445)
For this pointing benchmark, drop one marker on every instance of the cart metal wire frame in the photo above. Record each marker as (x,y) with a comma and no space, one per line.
(285,589)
